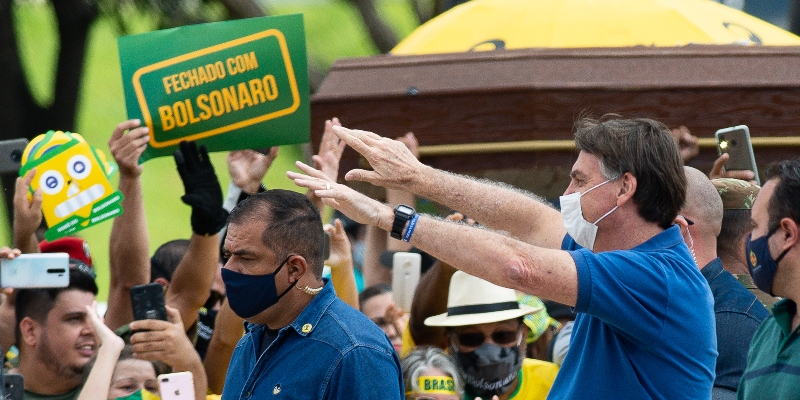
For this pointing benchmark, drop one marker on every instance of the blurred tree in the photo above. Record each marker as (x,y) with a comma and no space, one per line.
(20,114)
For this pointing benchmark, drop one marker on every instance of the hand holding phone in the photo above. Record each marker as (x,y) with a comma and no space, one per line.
(735,142)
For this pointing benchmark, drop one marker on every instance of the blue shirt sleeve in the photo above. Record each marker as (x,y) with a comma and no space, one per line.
(367,373)
(627,291)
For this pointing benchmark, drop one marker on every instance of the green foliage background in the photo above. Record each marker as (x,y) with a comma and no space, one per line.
(333,30)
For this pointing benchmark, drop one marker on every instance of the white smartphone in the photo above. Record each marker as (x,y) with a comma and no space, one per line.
(176,386)
(736,142)
(41,270)
(406,269)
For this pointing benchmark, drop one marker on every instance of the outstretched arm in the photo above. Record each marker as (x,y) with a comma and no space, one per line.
(129,260)
(508,262)
(500,207)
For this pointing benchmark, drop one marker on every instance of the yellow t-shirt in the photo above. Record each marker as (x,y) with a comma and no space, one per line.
(535,379)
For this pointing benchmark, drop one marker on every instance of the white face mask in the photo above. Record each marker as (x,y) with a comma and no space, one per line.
(583,231)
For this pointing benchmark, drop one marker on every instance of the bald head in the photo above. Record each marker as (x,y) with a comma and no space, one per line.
(703,204)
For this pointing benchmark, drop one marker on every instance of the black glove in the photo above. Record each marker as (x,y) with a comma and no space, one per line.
(203,192)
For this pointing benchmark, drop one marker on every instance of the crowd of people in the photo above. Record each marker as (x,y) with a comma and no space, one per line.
(652,280)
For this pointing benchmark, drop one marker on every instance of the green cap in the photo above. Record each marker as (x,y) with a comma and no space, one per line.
(736,194)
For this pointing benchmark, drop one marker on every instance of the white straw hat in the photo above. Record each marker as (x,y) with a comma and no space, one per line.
(473,301)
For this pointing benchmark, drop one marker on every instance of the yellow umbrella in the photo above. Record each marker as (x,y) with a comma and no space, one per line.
(513,24)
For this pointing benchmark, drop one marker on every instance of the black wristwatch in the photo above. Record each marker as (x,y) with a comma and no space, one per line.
(402,213)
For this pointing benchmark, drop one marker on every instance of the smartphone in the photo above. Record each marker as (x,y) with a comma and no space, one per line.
(11,155)
(13,387)
(148,302)
(39,270)
(406,269)
(176,386)
(736,142)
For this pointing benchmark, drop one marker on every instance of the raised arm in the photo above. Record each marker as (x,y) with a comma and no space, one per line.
(98,382)
(500,207)
(507,262)
(430,299)
(341,263)
(228,329)
(27,214)
(189,288)
(129,260)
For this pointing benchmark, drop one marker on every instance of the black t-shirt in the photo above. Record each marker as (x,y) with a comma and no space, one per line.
(269,336)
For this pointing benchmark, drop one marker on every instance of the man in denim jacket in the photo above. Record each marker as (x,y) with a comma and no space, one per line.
(737,312)
(301,341)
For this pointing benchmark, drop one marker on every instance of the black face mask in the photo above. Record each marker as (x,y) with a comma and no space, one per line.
(490,369)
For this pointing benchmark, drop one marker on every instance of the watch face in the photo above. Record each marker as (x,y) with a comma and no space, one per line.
(403,209)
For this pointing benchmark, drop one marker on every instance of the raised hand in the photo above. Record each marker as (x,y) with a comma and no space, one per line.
(341,254)
(27,212)
(330,151)
(355,205)
(687,143)
(126,148)
(107,340)
(394,165)
(248,167)
(203,192)
(718,171)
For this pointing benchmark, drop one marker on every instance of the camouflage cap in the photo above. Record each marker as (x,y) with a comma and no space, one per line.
(736,194)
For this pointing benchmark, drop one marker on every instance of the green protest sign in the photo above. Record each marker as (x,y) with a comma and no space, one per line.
(228,85)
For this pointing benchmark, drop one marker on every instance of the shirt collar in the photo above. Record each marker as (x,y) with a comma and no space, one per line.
(712,269)
(309,318)
(307,321)
(669,237)
(784,311)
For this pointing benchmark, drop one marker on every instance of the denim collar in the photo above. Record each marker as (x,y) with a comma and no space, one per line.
(712,269)
(310,316)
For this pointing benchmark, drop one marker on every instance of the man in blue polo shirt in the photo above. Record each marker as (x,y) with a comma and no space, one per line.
(645,324)
(301,340)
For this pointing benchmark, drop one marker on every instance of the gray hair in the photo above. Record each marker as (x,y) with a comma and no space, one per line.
(423,358)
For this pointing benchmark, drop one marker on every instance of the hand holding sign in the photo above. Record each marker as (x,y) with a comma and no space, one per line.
(73,178)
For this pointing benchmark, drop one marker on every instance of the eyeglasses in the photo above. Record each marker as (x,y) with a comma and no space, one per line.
(500,337)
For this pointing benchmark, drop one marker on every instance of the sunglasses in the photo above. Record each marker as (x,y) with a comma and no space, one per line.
(501,337)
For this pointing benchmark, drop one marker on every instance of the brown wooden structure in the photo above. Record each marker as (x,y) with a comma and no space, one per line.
(499,114)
